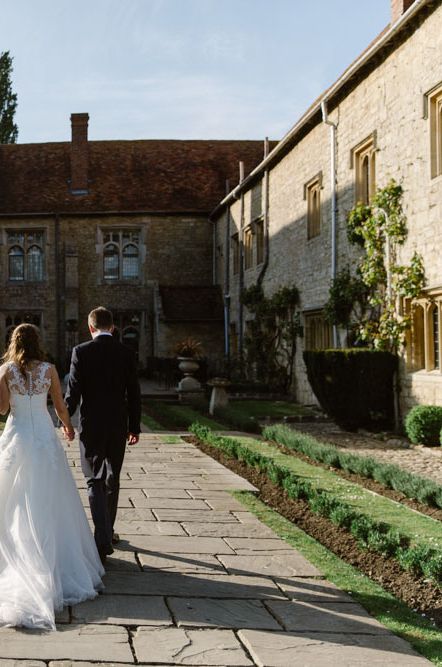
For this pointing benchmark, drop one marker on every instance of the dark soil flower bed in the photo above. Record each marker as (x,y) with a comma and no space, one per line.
(417,593)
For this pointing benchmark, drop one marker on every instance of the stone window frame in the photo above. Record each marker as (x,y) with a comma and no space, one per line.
(312,195)
(423,350)
(318,333)
(248,244)
(102,230)
(26,246)
(433,113)
(234,242)
(363,161)
(258,229)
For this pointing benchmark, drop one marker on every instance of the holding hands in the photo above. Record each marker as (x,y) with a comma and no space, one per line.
(132,438)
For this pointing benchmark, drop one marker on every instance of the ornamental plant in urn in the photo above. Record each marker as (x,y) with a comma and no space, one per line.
(188,352)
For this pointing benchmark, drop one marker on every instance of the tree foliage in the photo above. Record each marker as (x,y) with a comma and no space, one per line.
(380,281)
(8,102)
(270,338)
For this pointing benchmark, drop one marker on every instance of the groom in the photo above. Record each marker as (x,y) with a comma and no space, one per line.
(103,379)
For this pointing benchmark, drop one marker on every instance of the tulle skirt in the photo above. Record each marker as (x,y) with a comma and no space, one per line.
(48,557)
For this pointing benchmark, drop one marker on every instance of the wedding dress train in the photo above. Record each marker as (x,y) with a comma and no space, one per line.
(48,557)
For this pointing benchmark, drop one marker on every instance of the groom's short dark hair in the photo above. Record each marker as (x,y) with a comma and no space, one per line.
(100,318)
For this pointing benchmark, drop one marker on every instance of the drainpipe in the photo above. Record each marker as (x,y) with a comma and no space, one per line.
(266,217)
(241,266)
(59,295)
(333,128)
(227,283)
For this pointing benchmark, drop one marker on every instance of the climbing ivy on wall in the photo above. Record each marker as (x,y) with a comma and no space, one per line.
(379,282)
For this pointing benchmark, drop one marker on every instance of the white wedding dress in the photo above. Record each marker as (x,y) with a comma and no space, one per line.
(48,557)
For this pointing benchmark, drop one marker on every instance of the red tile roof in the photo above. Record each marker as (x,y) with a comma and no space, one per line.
(191,303)
(152,175)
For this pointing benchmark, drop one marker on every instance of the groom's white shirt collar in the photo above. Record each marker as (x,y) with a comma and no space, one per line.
(94,334)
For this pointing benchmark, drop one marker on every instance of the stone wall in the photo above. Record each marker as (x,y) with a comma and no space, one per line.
(389,103)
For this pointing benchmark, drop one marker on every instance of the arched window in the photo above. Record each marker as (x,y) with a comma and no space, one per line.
(35,263)
(111,262)
(16,263)
(130,262)
(121,254)
(418,350)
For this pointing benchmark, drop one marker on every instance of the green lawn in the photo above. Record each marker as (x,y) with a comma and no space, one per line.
(176,416)
(262,409)
(418,527)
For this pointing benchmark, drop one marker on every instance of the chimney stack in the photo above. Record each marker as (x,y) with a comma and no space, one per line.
(79,153)
(399,7)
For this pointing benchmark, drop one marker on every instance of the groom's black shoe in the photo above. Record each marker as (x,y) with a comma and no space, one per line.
(103,552)
(115,538)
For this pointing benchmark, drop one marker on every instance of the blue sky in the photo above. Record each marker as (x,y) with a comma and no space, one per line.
(209,69)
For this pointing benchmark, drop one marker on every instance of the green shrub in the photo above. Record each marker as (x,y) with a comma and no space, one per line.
(354,386)
(424,490)
(423,424)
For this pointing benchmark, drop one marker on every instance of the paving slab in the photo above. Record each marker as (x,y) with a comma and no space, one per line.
(123,610)
(236,529)
(169,544)
(340,617)
(270,565)
(122,561)
(191,563)
(189,647)
(186,585)
(149,528)
(283,649)
(171,503)
(132,514)
(195,515)
(247,544)
(312,590)
(203,612)
(21,663)
(75,642)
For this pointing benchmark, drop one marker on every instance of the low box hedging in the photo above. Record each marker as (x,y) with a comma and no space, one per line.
(371,534)
(411,485)
(423,425)
(354,386)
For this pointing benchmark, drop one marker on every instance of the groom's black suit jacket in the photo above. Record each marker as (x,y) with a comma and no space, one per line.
(103,379)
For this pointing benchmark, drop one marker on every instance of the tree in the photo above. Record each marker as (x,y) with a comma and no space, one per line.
(8,101)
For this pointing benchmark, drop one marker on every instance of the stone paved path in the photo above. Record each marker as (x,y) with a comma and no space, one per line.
(197,580)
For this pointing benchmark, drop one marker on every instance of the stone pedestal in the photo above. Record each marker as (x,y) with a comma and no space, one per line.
(219,397)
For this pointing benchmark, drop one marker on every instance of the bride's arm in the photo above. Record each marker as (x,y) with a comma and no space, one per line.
(4,391)
(60,405)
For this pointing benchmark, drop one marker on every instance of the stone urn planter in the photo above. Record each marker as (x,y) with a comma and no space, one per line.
(188,366)
(218,397)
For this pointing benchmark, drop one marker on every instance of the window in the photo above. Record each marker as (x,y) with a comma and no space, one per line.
(248,248)
(256,201)
(317,331)
(259,235)
(25,255)
(12,320)
(312,193)
(235,251)
(434,102)
(121,255)
(363,159)
(424,340)
(127,325)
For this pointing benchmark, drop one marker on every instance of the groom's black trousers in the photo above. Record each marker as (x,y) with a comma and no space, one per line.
(102,473)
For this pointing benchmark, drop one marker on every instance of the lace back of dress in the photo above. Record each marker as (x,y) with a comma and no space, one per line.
(37,381)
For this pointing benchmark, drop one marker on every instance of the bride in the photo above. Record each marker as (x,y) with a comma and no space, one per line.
(48,556)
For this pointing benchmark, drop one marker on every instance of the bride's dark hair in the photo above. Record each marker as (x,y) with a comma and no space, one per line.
(24,347)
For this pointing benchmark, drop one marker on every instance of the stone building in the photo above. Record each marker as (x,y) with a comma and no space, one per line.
(285,223)
(123,224)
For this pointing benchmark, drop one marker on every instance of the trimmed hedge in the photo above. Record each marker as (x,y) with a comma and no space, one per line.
(423,425)
(354,386)
(374,535)
(412,486)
